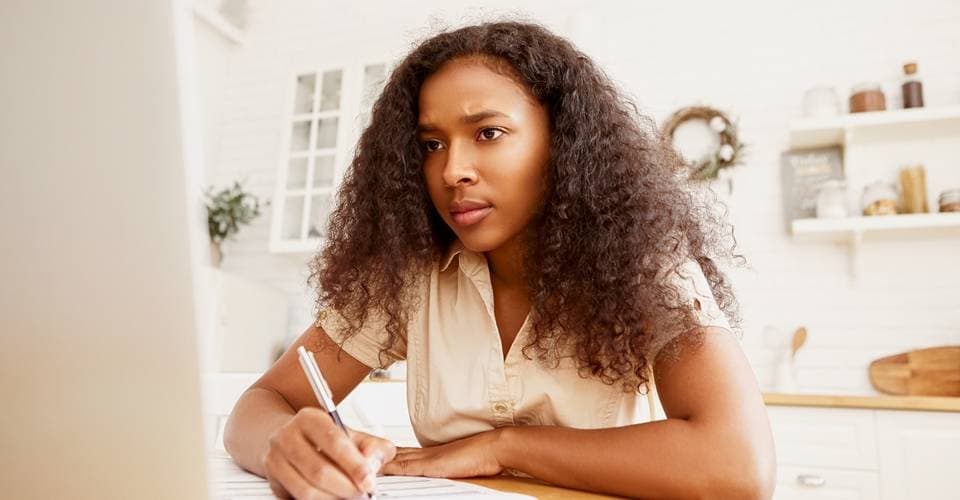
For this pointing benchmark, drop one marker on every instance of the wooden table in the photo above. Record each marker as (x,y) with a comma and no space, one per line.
(534,488)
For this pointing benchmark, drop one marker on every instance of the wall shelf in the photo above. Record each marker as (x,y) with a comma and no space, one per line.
(891,225)
(873,145)
(843,129)
(853,230)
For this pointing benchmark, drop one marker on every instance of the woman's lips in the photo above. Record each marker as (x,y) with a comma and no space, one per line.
(471,217)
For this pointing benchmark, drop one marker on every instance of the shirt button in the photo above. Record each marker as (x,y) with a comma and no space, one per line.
(500,407)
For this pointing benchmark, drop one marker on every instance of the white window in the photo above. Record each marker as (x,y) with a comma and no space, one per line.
(327,110)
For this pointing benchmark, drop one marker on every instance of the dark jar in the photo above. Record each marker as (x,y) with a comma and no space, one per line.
(912,87)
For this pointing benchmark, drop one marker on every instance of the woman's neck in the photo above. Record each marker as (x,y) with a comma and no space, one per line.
(506,264)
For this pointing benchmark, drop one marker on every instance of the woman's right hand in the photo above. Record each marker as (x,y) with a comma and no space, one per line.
(310,457)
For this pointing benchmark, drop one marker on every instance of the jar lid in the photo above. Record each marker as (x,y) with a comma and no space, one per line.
(950,196)
(877,191)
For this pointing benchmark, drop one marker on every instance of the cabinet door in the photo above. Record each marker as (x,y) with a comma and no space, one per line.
(818,437)
(803,483)
(919,454)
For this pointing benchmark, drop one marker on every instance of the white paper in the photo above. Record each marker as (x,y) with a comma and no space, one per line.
(229,481)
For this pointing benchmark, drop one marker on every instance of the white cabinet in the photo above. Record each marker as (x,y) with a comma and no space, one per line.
(249,323)
(844,453)
(825,453)
(825,438)
(919,454)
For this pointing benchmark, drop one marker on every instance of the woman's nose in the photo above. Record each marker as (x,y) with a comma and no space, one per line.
(460,167)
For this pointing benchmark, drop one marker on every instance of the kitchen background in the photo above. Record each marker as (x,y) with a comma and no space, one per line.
(285,87)
(754,60)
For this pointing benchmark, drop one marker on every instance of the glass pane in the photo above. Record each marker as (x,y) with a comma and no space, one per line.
(292,217)
(300,138)
(364,121)
(323,171)
(319,212)
(330,90)
(374,77)
(306,85)
(327,135)
(297,173)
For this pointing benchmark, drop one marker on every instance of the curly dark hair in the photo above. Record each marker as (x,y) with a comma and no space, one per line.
(617,219)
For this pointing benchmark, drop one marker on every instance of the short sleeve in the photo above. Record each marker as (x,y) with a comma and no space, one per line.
(368,343)
(694,291)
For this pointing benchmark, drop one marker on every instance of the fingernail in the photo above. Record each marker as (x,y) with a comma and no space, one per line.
(369,483)
(374,462)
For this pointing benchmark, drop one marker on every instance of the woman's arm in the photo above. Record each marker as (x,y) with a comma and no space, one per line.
(282,391)
(715,443)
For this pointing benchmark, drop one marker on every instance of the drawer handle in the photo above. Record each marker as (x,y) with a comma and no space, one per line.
(811,480)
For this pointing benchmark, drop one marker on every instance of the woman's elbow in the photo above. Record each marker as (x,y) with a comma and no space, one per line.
(231,438)
(757,486)
(750,476)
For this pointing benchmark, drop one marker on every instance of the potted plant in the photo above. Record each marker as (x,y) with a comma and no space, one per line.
(227,210)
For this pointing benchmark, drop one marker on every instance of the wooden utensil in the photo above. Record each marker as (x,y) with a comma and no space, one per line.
(934,371)
(799,338)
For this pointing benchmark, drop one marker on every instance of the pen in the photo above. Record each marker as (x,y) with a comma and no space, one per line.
(320,389)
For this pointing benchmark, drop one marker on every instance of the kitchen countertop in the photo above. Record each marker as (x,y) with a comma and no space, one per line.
(882,402)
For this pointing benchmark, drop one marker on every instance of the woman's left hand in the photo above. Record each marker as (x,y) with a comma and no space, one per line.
(468,457)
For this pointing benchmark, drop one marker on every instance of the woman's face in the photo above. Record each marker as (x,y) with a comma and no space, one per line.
(486,143)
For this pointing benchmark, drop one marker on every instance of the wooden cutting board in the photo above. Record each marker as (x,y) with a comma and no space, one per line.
(934,371)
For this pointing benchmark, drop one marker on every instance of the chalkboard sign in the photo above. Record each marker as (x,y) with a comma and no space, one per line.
(802,172)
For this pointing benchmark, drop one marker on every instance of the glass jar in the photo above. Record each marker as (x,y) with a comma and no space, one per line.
(867,97)
(879,198)
(821,101)
(832,200)
(911,87)
(913,186)
(950,200)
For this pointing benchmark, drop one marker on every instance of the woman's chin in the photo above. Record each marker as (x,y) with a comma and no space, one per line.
(480,241)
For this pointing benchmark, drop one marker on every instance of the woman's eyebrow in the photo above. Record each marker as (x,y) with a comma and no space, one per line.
(471,118)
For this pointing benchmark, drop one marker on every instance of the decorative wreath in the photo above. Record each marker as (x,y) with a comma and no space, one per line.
(727,155)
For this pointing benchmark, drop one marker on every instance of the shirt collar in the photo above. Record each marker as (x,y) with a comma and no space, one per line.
(455,249)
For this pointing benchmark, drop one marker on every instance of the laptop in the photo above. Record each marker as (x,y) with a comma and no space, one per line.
(102,234)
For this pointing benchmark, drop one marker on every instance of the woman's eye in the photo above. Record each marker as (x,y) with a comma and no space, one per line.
(490,133)
(431,145)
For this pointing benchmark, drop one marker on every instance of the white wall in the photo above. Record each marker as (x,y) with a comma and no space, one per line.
(213,54)
(753,59)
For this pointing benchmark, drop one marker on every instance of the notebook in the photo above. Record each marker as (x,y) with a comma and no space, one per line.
(230,482)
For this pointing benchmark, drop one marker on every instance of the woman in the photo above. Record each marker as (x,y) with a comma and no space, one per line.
(524,241)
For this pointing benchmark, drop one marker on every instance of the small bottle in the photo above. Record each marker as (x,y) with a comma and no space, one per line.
(912,88)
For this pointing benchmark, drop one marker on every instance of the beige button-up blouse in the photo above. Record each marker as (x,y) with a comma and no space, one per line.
(458,382)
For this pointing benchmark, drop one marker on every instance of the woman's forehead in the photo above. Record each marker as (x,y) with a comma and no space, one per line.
(463,88)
